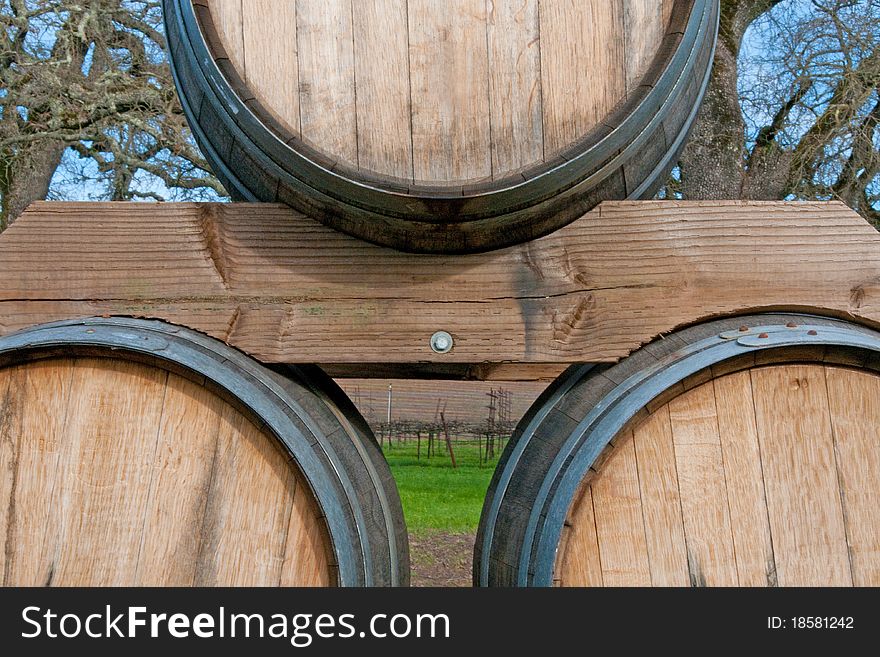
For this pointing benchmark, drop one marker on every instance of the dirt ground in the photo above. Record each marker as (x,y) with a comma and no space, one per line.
(441,559)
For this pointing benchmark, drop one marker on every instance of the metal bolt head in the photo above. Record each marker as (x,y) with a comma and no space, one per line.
(442,342)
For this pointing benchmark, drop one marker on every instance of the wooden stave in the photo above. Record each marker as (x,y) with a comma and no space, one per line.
(313,435)
(469,219)
(510,552)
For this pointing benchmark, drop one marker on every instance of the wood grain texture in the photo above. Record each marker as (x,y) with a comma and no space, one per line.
(668,7)
(617,505)
(228,20)
(744,476)
(256,513)
(854,403)
(272,73)
(661,502)
(449,69)
(325,46)
(284,289)
(583,564)
(307,558)
(118,473)
(43,392)
(106,473)
(515,85)
(800,476)
(644,26)
(384,120)
(771,472)
(11,401)
(577,96)
(464,402)
(702,486)
(184,466)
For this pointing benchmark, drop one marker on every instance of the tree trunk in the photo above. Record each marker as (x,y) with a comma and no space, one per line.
(29,179)
(712,163)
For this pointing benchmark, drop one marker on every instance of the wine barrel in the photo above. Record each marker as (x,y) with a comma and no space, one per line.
(135,453)
(430,126)
(737,453)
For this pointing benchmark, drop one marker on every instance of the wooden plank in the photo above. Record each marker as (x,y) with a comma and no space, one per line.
(57,491)
(704,503)
(658,483)
(750,525)
(306,557)
(465,401)
(42,389)
(227,15)
(580,564)
(11,412)
(176,499)
(576,97)
(668,8)
(384,121)
(326,77)
(258,276)
(271,65)
(248,509)
(515,85)
(118,255)
(104,471)
(450,98)
(645,28)
(800,477)
(854,402)
(619,524)
(513,373)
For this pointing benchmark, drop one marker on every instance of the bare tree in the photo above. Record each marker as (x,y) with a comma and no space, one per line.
(792,109)
(87,103)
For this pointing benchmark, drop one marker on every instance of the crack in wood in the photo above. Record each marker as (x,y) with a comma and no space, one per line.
(695,572)
(772,575)
(213,240)
(233,323)
(573,320)
(531,263)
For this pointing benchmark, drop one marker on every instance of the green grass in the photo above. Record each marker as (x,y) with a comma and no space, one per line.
(436,496)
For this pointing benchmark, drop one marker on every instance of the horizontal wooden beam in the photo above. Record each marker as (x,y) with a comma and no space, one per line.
(285,289)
